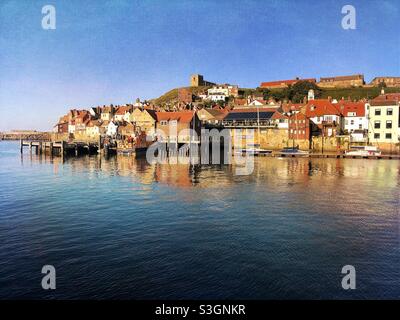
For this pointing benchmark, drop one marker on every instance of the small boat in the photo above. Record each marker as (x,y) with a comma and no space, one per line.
(363,151)
(255,149)
(293,151)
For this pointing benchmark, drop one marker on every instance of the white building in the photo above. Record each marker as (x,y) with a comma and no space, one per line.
(355,116)
(112,128)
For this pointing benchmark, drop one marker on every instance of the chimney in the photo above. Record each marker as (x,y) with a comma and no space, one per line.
(382,91)
(329,98)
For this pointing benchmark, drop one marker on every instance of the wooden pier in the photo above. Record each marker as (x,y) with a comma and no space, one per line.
(60,147)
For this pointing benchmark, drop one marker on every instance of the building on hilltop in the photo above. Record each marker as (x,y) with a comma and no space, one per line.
(388,81)
(197,80)
(283,83)
(342,81)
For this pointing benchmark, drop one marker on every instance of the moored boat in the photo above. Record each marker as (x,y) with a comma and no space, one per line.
(255,149)
(293,151)
(363,151)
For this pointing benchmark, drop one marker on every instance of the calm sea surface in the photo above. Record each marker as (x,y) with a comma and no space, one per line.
(121,228)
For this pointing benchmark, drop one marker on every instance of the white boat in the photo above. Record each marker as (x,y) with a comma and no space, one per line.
(363,151)
(255,150)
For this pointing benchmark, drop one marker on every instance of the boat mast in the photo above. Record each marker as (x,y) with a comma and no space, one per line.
(258,127)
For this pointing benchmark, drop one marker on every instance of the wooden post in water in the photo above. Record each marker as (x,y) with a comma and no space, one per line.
(30,146)
(40,147)
(63,148)
(51,148)
(21,145)
(99,145)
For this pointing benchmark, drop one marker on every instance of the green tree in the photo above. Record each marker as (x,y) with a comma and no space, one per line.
(300,89)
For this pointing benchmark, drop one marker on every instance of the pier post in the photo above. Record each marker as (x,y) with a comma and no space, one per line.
(40,147)
(51,148)
(21,145)
(30,146)
(76,150)
(62,147)
(99,145)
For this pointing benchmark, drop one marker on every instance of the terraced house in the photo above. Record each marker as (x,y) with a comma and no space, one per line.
(384,121)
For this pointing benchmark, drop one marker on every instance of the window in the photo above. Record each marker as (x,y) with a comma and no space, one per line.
(352,122)
(377,135)
(377,112)
(163,122)
(377,125)
(360,126)
(389,112)
(388,136)
(173,122)
(389,124)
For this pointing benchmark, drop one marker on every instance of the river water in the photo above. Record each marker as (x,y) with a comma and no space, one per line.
(122,228)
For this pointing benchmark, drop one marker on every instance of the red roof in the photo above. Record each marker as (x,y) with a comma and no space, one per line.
(182,116)
(122,110)
(391,97)
(321,107)
(254,110)
(278,115)
(349,106)
(288,107)
(284,82)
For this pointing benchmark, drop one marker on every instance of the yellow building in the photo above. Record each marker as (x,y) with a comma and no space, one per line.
(384,124)
(144,119)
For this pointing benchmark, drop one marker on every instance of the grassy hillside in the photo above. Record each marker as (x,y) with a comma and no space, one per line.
(172,95)
(355,93)
(336,93)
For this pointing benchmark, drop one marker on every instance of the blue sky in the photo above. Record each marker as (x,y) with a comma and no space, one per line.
(115,51)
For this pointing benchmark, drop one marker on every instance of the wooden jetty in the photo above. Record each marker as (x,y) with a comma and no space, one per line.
(61,147)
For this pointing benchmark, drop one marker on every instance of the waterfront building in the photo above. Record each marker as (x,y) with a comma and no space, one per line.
(112,128)
(325,115)
(384,120)
(144,119)
(126,129)
(175,126)
(211,117)
(281,120)
(299,126)
(62,125)
(354,113)
(94,129)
